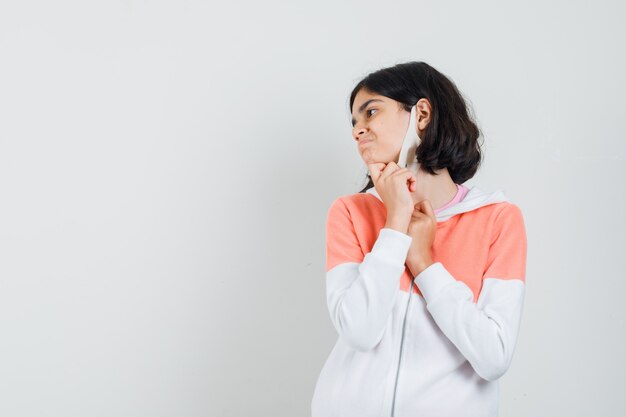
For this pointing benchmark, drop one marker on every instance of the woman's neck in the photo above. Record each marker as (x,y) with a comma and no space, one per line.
(439,189)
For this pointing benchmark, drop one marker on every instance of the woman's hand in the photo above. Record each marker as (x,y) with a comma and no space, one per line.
(394,184)
(422,228)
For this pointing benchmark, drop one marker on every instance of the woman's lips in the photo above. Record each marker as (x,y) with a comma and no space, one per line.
(364,142)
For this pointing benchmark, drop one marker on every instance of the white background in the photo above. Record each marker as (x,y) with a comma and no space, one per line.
(166,169)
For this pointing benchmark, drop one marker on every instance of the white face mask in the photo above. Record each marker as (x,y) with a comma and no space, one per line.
(411,141)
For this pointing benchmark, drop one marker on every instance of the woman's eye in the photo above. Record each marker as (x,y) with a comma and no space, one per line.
(368,111)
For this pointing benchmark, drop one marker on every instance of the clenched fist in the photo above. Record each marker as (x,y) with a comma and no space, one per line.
(422,228)
(394,185)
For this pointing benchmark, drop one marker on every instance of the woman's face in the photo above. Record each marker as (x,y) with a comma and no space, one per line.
(379,126)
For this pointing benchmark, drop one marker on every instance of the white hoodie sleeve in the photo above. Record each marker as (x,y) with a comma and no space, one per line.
(361,289)
(484,332)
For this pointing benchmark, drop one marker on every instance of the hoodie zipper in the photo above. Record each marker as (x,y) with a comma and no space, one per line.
(395,386)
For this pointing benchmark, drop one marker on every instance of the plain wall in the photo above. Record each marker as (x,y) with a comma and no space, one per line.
(166,169)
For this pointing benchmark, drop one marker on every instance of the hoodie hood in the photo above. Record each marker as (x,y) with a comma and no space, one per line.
(474,199)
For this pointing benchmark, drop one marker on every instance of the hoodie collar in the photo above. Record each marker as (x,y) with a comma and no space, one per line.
(474,199)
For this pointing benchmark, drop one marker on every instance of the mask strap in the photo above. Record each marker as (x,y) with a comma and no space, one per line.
(411,141)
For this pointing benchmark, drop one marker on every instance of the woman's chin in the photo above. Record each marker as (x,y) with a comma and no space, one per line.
(371,158)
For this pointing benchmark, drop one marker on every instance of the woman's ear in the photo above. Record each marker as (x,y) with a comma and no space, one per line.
(422,113)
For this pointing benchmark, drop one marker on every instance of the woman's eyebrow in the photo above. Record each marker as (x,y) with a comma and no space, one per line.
(363,106)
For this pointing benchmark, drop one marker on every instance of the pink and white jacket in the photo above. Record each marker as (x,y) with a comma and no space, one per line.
(431,345)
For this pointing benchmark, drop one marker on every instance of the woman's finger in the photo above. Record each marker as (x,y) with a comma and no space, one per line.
(408,176)
(416,211)
(391,168)
(375,169)
(426,208)
(411,181)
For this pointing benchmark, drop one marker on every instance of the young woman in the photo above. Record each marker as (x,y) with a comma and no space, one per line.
(425,277)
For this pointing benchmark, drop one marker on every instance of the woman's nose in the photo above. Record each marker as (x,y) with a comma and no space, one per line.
(357,132)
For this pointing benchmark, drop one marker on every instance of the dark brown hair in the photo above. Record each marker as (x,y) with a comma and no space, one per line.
(451,138)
